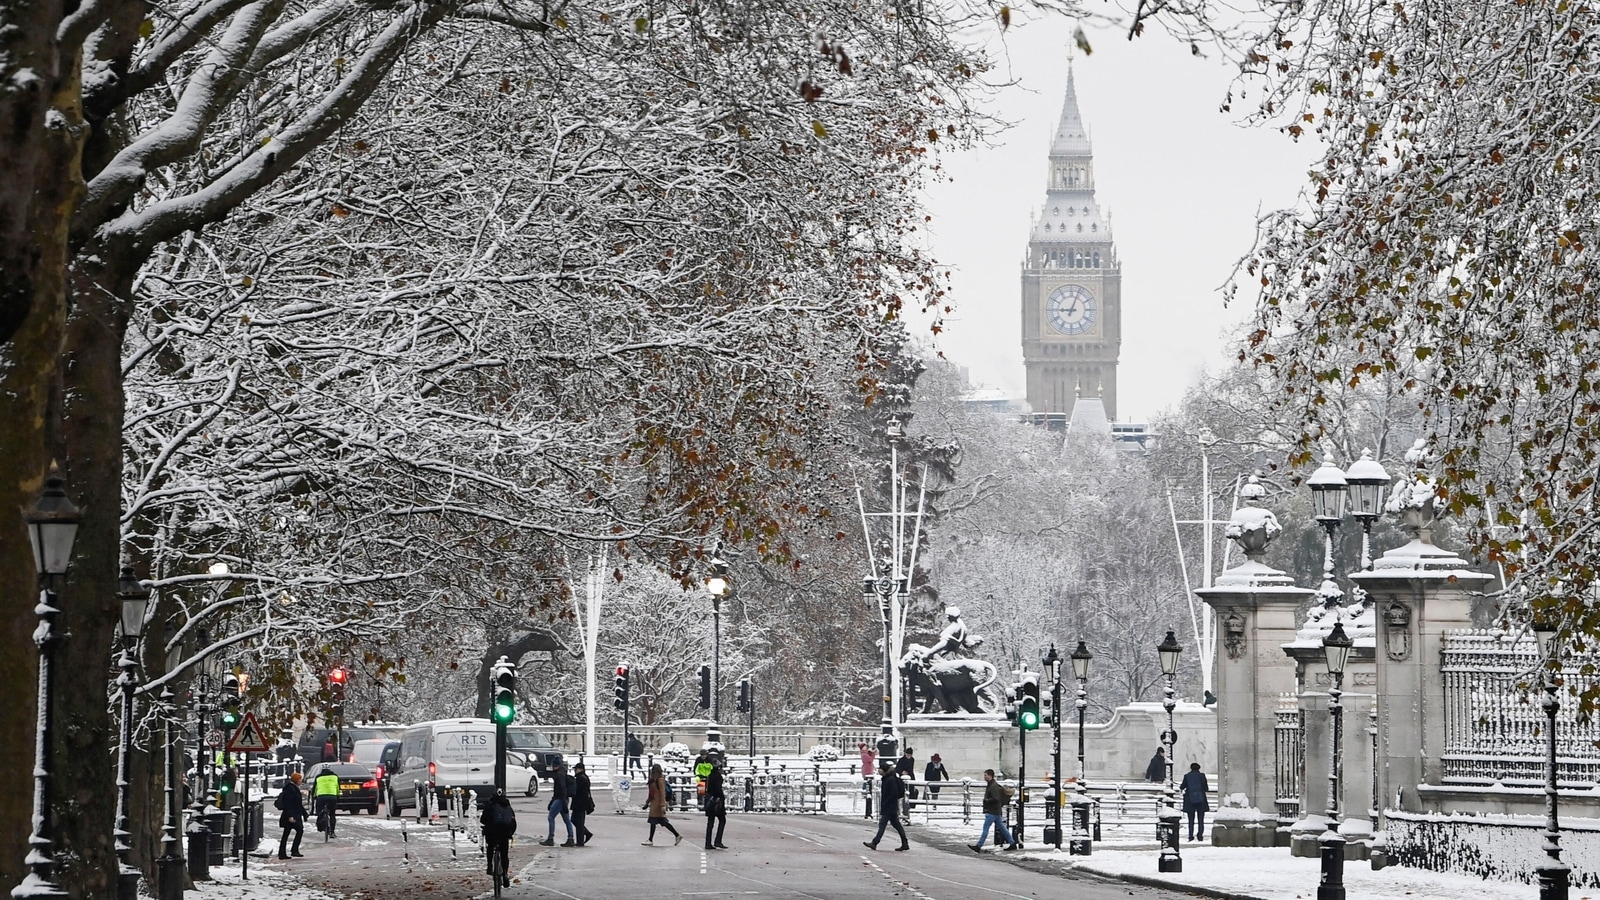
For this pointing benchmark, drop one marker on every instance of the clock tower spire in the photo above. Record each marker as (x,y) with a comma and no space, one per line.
(1071,284)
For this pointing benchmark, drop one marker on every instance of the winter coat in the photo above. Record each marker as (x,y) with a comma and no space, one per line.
(935,772)
(891,790)
(658,798)
(498,819)
(1195,789)
(716,800)
(868,757)
(582,798)
(635,746)
(906,766)
(560,788)
(1157,770)
(995,798)
(291,801)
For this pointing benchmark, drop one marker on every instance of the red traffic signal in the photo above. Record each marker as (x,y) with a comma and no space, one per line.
(338,675)
(622,671)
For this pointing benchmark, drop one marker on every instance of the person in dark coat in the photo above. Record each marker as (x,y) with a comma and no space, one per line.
(716,808)
(906,768)
(560,806)
(293,817)
(891,790)
(1195,802)
(996,797)
(1157,770)
(499,823)
(934,774)
(582,803)
(635,750)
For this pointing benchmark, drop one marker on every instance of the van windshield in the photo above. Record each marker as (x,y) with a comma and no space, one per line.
(464,748)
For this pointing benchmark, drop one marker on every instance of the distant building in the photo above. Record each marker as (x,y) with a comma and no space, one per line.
(1071,286)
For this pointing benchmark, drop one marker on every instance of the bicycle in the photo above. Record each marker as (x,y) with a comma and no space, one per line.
(327,818)
(499,863)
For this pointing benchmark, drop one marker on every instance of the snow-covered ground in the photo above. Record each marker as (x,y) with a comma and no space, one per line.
(264,884)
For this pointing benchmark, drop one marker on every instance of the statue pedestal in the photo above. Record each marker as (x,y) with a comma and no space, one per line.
(968,743)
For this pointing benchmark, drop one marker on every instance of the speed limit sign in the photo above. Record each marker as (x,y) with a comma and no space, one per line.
(214,739)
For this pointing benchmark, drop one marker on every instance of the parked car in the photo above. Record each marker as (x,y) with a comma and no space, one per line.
(536,749)
(358,788)
(369,753)
(386,760)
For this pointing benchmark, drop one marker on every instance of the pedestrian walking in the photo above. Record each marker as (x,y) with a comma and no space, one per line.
(906,768)
(868,759)
(716,808)
(1157,770)
(996,797)
(560,805)
(657,805)
(635,750)
(1195,801)
(934,774)
(293,817)
(891,790)
(499,823)
(582,803)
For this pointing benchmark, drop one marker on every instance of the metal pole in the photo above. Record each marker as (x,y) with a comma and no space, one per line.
(1171,857)
(1083,843)
(1022,780)
(716,658)
(40,860)
(1553,875)
(127,876)
(1332,885)
(169,868)
(886,743)
(1055,758)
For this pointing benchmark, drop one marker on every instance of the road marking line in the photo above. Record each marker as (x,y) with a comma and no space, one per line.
(801,837)
(702,862)
(895,882)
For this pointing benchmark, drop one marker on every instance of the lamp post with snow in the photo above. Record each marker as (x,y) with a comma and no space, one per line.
(52,527)
(718,586)
(1553,875)
(1336,649)
(1052,671)
(1171,859)
(135,599)
(1366,480)
(1083,838)
(881,589)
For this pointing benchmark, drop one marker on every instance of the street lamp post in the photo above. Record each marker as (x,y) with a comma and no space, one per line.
(1329,492)
(169,868)
(1367,480)
(880,589)
(1083,838)
(718,587)
(52,527)
(135,599)
(1553,875)
(1052,671)
(1336,648)
(1171,859)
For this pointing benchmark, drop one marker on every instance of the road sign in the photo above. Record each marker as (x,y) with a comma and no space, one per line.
(249,738)
(213,739)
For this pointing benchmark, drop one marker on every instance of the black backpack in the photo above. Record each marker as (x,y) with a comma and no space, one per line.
(502,820)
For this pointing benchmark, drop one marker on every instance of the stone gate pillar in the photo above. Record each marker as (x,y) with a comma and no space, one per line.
(1255,606)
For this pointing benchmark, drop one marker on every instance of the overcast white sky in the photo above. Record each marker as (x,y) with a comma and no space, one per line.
(1182,181)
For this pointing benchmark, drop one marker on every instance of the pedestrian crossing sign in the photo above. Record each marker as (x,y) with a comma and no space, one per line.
(248,738)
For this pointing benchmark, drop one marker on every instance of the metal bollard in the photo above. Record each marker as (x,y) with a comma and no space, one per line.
(405,843)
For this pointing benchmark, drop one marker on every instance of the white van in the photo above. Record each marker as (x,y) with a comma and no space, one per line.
(444,753)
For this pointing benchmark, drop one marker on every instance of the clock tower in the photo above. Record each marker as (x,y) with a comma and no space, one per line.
(1071,284)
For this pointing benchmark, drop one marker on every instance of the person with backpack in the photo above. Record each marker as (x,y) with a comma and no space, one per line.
(325,796)
(582,804)
(499,823)
(293,818)
(716,808)
(995,798)
(635,750)
(560,805)
(657,805)
(891,790)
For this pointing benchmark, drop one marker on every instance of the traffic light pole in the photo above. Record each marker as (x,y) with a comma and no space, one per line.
(1055,757)
(750,707)
(1022,781)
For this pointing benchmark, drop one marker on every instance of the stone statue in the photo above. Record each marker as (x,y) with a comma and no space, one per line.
(953,638)
(955,683)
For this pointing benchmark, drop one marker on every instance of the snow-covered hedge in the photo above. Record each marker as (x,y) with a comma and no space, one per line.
(823,753)
(677,751)
(1505,848)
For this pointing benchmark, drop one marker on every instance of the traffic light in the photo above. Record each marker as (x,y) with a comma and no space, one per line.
(705,687)
(504,708)
(231,690)
(745,699)
(1013,702)
(621,689)
(1028,715)
(337,676)
(225,786)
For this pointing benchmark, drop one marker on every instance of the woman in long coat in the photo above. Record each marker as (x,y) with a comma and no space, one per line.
(657,805)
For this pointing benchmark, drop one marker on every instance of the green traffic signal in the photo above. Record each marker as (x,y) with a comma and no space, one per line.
(503,713)
(230,718)
(1028,715)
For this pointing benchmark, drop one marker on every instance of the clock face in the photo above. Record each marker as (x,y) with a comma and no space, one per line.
(1072,309)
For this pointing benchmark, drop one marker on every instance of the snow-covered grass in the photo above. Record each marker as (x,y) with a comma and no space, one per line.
(263,884)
